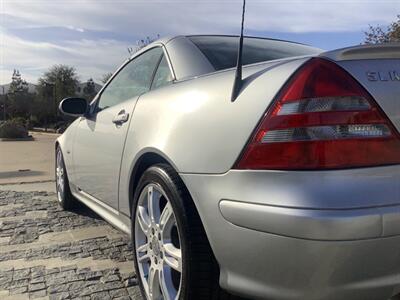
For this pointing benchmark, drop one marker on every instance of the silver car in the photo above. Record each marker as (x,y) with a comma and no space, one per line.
(292,191)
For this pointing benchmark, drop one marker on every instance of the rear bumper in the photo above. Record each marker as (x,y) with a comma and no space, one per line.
(276,267)
(304,235)
(315,224)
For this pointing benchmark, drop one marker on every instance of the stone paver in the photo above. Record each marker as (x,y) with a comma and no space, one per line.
(48,253)
(28,228)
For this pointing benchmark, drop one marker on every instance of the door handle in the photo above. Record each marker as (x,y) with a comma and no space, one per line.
(121,118)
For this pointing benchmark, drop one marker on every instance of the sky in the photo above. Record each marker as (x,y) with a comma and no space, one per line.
(93,35)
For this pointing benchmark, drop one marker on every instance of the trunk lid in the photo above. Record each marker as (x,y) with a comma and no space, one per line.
(377,68)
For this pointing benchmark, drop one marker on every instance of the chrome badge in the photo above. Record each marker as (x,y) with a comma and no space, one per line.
(383,76)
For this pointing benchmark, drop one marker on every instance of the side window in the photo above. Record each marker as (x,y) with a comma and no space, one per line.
(134,79)
(163,75)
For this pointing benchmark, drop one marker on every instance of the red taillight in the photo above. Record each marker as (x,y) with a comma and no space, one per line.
(322,119)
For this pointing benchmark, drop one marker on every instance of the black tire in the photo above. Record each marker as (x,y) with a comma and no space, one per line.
(64,195)
(200,271)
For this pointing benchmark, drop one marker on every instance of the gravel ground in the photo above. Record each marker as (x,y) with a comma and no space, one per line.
(48,253)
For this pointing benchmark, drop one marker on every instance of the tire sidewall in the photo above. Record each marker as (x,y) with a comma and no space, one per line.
(158,176)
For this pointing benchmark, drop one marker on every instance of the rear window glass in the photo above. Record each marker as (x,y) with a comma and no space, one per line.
(221,51)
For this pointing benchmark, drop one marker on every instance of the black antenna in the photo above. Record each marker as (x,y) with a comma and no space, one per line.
(238,82)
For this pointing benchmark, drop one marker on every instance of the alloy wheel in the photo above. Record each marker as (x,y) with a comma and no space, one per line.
(60,176)
(157,245)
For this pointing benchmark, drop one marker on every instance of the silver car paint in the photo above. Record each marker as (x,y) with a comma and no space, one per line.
(293,259)
(383,61)
(179,124)
(386,92)
(187,59)
(97,155)
(370,51)
(194,126)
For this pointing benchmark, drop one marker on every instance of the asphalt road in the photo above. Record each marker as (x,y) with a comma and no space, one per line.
(27,161)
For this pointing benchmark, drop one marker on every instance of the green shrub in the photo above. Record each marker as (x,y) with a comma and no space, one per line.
(19,121)
(13,129)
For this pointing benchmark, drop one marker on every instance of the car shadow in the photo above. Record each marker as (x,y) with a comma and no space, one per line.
(82,210)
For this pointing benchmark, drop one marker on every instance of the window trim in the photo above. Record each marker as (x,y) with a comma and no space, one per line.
(155,72)
(95,103)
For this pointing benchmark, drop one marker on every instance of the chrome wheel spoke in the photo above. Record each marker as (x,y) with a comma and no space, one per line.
(143,219)
(142,248)
(59,159)
(163,286)
(59,176)
(173,257)
(154,284)
(152,203)
(167,216)
(145,257)
(157,243)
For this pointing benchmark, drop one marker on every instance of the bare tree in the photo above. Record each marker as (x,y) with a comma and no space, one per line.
(142,43)
(105,77)
(89,90)
(379,35)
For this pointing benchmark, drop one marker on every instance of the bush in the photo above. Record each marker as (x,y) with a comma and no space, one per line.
(13,129)
(19,121)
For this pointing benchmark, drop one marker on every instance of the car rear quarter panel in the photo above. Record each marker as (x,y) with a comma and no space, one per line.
(194,125)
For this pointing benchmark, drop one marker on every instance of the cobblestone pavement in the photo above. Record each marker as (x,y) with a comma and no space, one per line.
(48,253)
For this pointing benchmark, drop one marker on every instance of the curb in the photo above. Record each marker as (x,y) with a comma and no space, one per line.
(29,138)
(44,133)
(43,130)
(27,182)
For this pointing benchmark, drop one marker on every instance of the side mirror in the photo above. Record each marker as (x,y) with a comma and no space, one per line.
(74,107)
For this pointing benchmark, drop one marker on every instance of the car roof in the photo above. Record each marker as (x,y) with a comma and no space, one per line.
(166,39)
(180,48)
(246,36)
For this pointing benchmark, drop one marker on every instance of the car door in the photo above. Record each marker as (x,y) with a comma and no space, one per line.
(100,138)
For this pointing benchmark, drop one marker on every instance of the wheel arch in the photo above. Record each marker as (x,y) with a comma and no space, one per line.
(142,163)
(61,143)
(56,145)
(150,159)
(146,160)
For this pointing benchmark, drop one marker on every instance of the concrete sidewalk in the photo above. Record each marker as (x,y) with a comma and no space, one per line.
(28,161)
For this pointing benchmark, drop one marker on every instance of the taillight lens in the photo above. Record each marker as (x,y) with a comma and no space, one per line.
(322,119)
